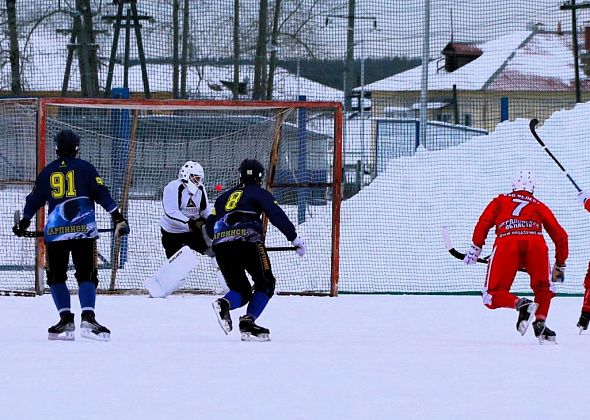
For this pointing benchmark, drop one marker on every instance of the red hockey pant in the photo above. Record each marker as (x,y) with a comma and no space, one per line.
(586,303)
(510,254)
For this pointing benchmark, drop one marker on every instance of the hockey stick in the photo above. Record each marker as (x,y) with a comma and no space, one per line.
(40,233)
(281,248)
(25,293)
(460,255)
(532,127)
(453,251)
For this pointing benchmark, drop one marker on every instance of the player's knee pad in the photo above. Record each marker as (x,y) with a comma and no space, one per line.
(266,284)
(87,275)
(56,278)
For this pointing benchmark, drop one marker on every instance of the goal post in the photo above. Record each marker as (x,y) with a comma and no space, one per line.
(138,146)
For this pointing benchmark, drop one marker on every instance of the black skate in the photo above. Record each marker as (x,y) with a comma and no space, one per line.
(543,333)
(91,329)
(526,313)
(252,332)
(64,329)
(583,321)
(221,308)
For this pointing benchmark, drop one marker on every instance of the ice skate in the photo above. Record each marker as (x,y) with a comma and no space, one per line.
(221,308)
(91,329)
(252,332)
(543,333)
(583,321)
(526,313)
(64,329)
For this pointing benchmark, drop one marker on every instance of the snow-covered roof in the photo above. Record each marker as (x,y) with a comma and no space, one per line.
(525,60)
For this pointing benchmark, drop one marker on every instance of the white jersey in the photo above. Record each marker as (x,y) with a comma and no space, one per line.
(180,206)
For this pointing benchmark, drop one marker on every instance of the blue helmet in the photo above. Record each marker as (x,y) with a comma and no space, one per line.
(251,171)
(67,143)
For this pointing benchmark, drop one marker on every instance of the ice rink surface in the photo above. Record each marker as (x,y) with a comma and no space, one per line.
(351,357)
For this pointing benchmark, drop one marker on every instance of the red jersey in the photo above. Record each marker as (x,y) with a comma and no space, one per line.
(519,215)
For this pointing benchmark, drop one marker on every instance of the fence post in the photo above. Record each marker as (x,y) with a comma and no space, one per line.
(504,108)
(302,194)
(120,131)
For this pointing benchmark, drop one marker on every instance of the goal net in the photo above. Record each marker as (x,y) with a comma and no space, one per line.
(139,146)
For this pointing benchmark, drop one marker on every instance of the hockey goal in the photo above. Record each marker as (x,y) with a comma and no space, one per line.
(138,146)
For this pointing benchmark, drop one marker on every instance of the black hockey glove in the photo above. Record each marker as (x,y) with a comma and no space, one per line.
(21,227)
(196,224)
(121,224)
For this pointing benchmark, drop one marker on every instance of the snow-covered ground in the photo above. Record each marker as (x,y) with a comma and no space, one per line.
(351,357)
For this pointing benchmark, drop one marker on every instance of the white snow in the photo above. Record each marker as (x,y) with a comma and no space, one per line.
(351,357)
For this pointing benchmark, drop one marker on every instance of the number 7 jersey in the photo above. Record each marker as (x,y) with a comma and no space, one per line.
(518,216)
(70,187)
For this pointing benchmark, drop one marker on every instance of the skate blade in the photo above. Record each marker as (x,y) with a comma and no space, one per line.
(225,326)
(523,326)
(260,337)
(87,333)
(547,340)
(65,336)
(582,329)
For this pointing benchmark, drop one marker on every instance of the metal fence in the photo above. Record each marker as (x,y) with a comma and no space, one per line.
(445,69)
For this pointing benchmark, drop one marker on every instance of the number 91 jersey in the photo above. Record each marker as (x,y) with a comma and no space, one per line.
(70,187)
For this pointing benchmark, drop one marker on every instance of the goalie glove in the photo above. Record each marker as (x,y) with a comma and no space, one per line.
(121,224)
(299,245)
(471,255)
(20,228)
(558,273)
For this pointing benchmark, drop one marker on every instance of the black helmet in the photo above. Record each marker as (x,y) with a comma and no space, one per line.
(251,171)
(67,143)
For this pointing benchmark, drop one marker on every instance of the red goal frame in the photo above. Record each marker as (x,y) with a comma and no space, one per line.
(147,104)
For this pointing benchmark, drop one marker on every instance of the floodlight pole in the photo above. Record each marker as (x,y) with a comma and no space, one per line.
(571,5)
(424,88)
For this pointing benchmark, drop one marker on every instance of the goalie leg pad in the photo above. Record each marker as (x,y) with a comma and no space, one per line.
(171,275)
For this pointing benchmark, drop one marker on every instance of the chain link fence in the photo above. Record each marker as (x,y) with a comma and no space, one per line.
(413,75)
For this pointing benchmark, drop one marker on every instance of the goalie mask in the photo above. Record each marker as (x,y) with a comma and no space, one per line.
(192,175)
(524,181)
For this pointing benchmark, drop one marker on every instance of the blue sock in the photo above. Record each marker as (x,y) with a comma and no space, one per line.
(235,299)
(61,297)
(87,295)
(257,304)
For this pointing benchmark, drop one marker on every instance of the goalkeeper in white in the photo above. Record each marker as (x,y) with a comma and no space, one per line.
(186,207)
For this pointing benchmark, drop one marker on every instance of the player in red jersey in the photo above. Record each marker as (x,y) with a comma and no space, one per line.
(584,196)
(519,219)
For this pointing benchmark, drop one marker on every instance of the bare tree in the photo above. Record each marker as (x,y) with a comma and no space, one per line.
(14,51)
(260,73)
(236,51)
(274,45)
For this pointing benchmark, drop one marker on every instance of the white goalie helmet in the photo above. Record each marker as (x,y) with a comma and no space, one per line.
(524,181)
(192,175)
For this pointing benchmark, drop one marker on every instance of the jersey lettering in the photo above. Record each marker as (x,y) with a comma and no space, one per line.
(521,205)
(233,199)
(62,185)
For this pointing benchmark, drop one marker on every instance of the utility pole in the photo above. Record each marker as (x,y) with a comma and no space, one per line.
(571,5)
(132,20)
(82,41)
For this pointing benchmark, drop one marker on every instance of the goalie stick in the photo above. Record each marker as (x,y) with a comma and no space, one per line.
(40,233)
(459,255)
(532,126)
